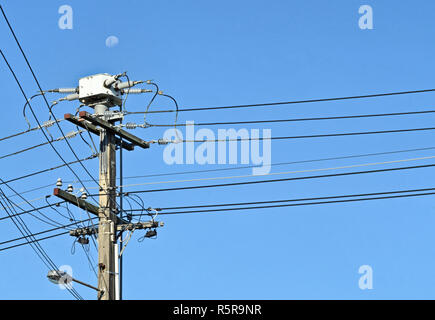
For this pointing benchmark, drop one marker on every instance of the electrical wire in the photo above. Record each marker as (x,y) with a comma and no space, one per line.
(127,93)
(284,179)
(163,210)
(33,241)
(44,171)
(140,204)
(27,131)
(296,119)
(281,163)
(93,150)
(176,112)
(41,232)
(52,223)
(45,100)
(28,211)
(152,99)
(273,164)
(303,204)
(25,105)
(310,136)
(223,169)
(35,245)
(281,173)
(68,136)
(52,206)
(31,109)
(291,102)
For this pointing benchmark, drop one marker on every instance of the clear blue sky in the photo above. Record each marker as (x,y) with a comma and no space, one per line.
(208,53)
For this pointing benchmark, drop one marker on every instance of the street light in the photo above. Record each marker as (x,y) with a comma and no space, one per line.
(62,277)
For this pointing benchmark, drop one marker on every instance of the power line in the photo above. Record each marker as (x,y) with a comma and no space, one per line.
(47,124)
(71,290)
(34,241)
(68,136)
(28,202)
(301,204)
(27,211)
(31,108)
(45,100)
(152,99)
(34,216)
(24,230)
(285,179)
(43,232)
(278,173)
(291,120)
(272,164)
(292,200)
(225,169)
(47,170)
(291,102)
(309,136)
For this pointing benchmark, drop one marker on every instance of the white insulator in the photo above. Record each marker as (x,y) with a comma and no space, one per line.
(136,91)
(72,97)
(48,123)
(163,141)
(109,82)
(71,134)
(59,182)
(67,90)
(125,85)
(70,188)
(131,125)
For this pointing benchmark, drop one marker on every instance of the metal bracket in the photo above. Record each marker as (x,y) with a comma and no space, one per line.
(93,129)
(82,204)
(113,116)
(87,231)
(115,130)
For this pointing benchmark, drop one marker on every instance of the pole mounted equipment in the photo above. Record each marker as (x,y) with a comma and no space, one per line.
(101,92)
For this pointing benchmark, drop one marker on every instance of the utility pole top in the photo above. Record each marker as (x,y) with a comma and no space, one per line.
(102,92)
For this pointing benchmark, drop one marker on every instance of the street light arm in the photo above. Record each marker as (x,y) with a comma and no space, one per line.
(85,284)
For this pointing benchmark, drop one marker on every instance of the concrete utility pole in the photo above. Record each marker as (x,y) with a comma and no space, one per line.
(101,92)
(107,212)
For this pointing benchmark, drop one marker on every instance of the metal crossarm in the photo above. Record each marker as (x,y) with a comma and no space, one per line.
(93,129)
(68,197)
(115,130)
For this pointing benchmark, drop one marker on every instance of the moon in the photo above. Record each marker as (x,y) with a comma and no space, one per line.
(112,41)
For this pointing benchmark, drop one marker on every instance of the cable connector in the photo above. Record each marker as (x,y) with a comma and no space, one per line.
(63,90)
(70,97)
(48,123)
(125,85)
(164,141)
(113,115)
(72,134)
(136,91)
(160,141)
(109,82)
(130,125)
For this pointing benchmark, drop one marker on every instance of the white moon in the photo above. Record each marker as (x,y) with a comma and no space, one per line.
(112,41)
